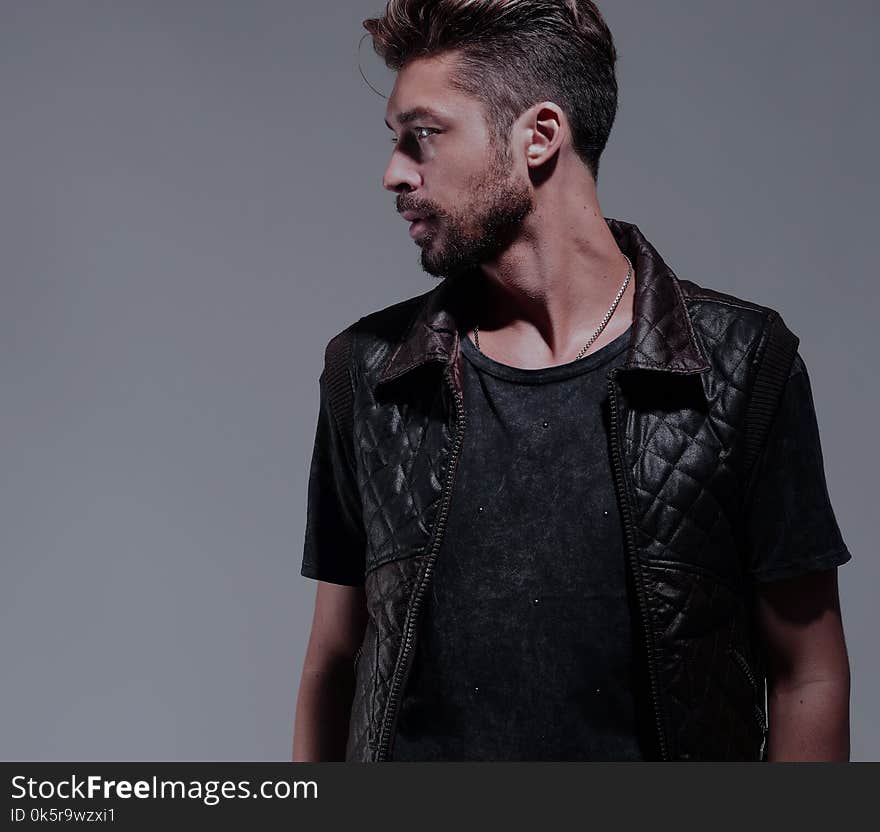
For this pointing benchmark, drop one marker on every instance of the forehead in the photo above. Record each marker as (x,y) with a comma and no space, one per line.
(422,90)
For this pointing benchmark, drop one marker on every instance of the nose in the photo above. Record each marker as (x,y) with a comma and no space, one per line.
(400,172)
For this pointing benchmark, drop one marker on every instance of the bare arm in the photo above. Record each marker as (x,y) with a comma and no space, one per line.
(326,686)
(808,673)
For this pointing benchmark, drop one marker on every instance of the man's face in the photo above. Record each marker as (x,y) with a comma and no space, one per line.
(445,167)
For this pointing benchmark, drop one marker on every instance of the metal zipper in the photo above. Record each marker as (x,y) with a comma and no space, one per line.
(402,668)
(760,718)
(743,666)
(630,540)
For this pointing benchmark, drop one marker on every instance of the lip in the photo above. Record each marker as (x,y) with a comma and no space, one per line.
(417,226)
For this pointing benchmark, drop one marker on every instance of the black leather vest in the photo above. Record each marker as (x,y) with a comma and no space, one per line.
(680,453)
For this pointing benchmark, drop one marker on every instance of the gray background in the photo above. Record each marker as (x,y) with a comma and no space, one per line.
(192,206)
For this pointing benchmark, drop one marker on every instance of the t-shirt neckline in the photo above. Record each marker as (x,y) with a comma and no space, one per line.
(542,374)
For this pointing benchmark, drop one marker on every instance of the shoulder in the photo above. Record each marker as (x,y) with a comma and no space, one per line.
(368,339)
(723,317)
(704,301)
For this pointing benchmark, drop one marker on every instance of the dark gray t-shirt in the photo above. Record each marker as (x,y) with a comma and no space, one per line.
(525,648)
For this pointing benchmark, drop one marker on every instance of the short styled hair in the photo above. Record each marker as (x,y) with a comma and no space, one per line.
(511,54)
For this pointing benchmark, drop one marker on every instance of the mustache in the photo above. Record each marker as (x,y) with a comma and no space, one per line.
(407,205)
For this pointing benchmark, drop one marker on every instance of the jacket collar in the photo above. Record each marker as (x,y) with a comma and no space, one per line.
(662,336)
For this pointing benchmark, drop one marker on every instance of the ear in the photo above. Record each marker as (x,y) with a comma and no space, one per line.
(545,127)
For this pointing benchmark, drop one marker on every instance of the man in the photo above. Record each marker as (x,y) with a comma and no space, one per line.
(545,520)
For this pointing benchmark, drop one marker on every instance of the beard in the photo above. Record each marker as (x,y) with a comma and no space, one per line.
(455,243)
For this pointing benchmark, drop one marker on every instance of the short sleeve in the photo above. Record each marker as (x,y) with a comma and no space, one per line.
(335,547)
(790,524)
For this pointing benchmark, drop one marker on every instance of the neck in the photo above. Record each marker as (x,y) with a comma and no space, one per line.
(549,291)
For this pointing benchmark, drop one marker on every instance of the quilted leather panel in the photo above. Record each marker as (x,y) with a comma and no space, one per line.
(401,440)
(401,437)
(389,591)
(684,440)
(684,449)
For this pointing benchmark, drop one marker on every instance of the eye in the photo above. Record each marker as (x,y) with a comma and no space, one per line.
(416,130)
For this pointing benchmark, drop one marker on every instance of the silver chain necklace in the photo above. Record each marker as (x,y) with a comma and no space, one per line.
(601,326)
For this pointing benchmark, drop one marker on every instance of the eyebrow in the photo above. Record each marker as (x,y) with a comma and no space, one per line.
(414,114)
